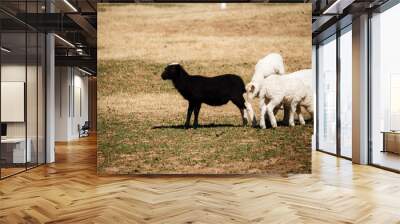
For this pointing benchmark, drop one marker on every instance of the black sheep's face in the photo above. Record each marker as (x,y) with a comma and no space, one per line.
(172,71)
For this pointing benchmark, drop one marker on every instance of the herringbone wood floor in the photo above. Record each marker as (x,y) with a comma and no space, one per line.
(69,191)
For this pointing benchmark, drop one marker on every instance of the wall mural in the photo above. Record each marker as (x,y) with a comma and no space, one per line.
(204,89)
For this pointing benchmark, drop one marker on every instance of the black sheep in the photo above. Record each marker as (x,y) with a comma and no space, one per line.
(214,91)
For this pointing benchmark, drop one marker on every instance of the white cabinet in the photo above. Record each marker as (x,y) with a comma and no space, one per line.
(17,146)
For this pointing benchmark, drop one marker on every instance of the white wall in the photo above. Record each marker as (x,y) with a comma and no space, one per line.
(70,83)
(33,126)
(12,73)
(62,82)
(80,84)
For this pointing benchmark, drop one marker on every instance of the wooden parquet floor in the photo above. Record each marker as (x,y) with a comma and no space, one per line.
(69,191)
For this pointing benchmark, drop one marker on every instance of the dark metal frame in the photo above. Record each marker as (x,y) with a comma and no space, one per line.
(338,74)
(316,96)
(369,70)
(337,34)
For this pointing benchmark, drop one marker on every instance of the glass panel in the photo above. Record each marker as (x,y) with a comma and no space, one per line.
(327,96)
(31,98)
(385,84)
(346,92)
(23,89)
(31,88)
(13,88)
(41,98)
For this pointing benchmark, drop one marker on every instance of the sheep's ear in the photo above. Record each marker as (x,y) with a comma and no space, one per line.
(252,88)
(179,69)
(174,69)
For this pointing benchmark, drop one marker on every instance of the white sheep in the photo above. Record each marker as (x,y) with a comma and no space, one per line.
(292,90)
(270,64)
(306,75)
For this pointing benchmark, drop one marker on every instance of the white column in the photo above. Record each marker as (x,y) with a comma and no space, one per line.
(360,90)
(50,100)
(62,103)
(50,92)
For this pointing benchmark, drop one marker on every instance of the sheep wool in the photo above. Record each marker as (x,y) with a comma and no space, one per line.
(269,65)
(214,91)
(293,90)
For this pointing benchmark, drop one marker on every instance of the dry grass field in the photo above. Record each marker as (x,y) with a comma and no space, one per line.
(141,116)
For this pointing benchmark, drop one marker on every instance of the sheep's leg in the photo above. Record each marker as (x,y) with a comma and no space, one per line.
(189,114)
(251,116)
(263,108)
(310,110)
(196,115)
(243,113)
(286,113)
(270,111)
(301,118)
(293,105)
(276,110)
(246,111)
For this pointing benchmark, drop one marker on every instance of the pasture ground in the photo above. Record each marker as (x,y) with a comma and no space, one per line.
(141,116)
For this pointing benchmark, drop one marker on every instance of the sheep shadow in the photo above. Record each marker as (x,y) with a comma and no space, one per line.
(213,125)
(282,124)
(200,126)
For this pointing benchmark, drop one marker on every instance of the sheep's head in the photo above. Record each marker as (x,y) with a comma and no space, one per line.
(172,71)
(252,90)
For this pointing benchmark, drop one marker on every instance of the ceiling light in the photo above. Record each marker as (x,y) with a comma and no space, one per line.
(223,6)
(337,7)
(70,5)
(84,71)
(5,50)
(80,51)
(65,41)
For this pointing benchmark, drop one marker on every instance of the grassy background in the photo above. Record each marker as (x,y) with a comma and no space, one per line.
(141,116)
